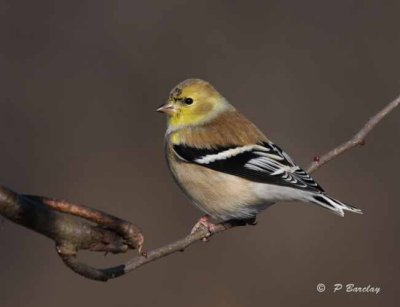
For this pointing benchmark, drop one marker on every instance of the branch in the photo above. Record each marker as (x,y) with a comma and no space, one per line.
(129,232)
(101,232)
(177,246)
(109,234)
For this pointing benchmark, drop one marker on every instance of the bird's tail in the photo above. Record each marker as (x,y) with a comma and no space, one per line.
(334,205)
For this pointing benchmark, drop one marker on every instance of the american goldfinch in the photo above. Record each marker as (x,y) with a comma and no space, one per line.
(225,164)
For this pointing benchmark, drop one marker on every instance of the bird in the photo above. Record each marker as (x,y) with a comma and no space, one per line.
(225,165)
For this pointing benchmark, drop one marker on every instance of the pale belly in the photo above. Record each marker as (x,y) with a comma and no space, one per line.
(219,195)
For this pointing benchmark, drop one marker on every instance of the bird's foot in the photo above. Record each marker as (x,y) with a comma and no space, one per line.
(204,222)
(251,221)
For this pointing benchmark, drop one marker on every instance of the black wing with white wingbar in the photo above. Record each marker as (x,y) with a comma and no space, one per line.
(264,163)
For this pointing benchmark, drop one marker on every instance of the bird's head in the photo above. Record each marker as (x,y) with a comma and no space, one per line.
(192,102)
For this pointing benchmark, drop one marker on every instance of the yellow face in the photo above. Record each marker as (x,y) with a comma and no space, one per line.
(191,102)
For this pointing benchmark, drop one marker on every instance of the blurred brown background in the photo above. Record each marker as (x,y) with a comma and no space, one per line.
(80,81)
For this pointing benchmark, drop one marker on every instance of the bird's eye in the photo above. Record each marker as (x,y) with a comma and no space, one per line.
(188,101)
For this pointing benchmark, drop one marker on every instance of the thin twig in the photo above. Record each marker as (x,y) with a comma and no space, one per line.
(190,239)
(357,139)
(185,242)
(114,235)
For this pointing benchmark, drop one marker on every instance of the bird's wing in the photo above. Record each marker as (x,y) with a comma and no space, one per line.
(264,162)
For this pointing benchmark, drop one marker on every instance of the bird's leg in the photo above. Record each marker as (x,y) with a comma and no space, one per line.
(204,222)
